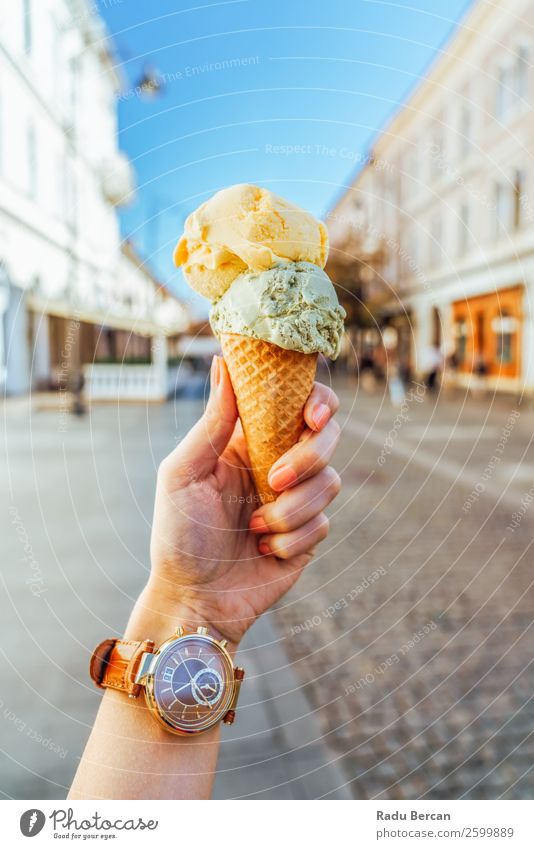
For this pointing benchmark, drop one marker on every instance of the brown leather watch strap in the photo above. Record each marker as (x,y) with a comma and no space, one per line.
(115,663)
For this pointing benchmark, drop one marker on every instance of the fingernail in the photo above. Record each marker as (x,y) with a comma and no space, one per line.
(320,415)
(282,477)
(263,548)
(258,526)
(215,371)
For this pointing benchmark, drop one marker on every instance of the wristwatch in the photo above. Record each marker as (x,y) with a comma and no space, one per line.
(190,682)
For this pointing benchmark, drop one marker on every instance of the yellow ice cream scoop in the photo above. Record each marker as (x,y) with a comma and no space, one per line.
(246,228)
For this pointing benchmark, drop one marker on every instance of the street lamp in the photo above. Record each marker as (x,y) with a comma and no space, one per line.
(150,82)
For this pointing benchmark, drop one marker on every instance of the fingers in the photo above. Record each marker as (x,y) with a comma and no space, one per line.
(320,406)
(299,541)
(306,458)
(297,506)
(196,455)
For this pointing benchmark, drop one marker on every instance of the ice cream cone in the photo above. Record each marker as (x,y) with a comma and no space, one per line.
(271,386)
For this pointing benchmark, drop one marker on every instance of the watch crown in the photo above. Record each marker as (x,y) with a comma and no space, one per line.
(202,630)
(223,643)
(179,631)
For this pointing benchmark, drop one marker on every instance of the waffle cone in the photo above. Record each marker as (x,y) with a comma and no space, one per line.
(271,386)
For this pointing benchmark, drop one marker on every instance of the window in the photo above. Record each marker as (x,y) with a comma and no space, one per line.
(399,172)
(61,188)
(407,254)
(31,151)
(461,340)
(504,347)
(501,100)
(437,151)
(27,25)
(71,195)
(466,127)
(441,125)
(502,210)
(72,86)
(512,82)
(410,171)
(463,228)
(65,196)
(434,252)
(413,244)
(521,73)
(504,326)
(519,198)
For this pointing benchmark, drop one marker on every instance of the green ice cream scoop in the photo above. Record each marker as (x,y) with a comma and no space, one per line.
(293,305)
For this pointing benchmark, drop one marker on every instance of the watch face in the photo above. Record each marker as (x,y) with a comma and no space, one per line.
(192,683)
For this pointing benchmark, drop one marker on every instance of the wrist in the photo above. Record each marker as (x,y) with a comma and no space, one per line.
(155,616)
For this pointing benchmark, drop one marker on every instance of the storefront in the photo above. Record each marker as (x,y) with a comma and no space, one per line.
(487,330)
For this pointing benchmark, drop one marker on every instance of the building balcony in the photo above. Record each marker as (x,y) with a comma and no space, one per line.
(117,177)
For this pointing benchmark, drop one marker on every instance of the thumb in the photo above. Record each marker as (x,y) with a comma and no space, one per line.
(196,455)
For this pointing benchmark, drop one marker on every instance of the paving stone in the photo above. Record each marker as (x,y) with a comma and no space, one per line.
(85,498)
(458,693)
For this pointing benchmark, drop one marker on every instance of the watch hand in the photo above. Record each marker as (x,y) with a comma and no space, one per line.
(184,664)
(187,684)
(202,696)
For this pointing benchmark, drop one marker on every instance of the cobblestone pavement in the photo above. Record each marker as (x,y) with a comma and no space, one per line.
(410,635)
(78,496)
(412,631)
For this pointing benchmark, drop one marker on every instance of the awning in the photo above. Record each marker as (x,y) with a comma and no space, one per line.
(62,309)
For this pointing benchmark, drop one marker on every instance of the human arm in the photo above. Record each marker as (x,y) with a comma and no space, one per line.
(218,559)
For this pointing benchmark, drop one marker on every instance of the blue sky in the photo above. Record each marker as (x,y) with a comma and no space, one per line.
(249,79)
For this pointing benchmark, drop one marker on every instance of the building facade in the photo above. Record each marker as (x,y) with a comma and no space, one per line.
(67,286)
(448,192)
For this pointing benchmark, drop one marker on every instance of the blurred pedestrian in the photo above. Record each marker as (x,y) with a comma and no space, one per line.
(450,372)
(367,370)
(395,385)
(432,366)
(478,383)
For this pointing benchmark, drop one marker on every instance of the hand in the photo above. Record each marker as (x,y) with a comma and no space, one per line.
(218,557)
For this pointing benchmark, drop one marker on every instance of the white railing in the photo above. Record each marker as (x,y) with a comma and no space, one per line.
(110,382)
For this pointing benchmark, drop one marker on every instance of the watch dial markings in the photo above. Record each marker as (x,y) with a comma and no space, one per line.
(200,680)
(169,672)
